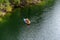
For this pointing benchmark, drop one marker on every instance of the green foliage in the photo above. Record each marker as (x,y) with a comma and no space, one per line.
(1,1)
(17,1)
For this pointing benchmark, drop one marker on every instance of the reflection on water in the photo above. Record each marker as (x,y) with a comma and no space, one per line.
(44,27)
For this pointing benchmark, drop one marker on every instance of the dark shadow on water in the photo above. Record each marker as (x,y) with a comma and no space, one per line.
(9,30)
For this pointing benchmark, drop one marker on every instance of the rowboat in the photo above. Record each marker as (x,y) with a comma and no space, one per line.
(27,21)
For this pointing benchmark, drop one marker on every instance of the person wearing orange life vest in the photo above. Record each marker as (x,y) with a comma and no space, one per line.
(27,21)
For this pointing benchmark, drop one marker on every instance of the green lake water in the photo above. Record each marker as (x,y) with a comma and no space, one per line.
(44,26)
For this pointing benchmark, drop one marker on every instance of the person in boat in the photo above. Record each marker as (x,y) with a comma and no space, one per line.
(27,21)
